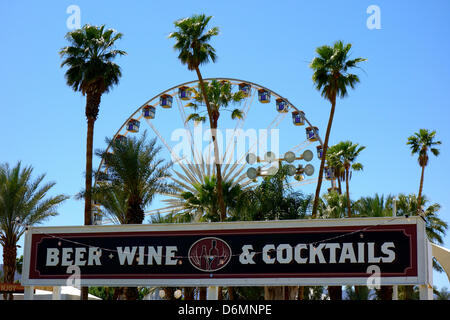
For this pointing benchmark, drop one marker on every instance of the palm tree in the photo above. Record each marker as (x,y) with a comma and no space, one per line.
(442,294)
(332,79)
(376,206)
(203,203)
(91,71)
(435,227)
(334,162)
(134,174)
(23,203)
(420,143)
(345,153)
(332,206)
(194,50)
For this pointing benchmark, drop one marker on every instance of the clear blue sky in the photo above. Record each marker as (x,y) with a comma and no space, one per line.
(404,83)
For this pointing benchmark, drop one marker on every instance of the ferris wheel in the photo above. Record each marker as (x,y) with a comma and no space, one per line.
(243,158)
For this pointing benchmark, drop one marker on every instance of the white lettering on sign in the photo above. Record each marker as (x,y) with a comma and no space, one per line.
(73,256)
(333,253)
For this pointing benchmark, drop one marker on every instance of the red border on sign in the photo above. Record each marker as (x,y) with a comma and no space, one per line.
(408,230)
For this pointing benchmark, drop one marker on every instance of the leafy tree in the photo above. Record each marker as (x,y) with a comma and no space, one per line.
(344,155)
(363,293)
(332,78)
(332,206)
(135,174)
(192,43)
(442,294)
(420,143)
(435,227)
(376,206)
(23,202)
(204,204)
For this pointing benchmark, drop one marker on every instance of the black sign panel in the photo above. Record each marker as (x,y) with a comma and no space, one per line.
(226,253)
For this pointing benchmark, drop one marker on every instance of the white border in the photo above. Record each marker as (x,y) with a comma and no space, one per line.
(423,268)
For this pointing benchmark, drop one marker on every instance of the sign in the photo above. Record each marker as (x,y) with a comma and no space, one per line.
(288,252)
(10,288)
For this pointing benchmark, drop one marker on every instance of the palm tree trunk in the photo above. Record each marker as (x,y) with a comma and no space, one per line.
(88,179)
(301,293)
(335,292)
(322,162)
(188,293)
(385,292)
(339,185)
(213,126)
(9,264)
(273,293)
(419,197)
(202,295)
(92,106)
(349,210)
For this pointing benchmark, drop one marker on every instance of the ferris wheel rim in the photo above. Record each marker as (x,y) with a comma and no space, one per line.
(253,84)
(210,79)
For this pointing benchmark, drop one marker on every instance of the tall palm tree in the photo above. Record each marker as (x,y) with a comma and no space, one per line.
(345,153)
(420,143)
(192,42)
(91,71)
(332,78)
(23,202)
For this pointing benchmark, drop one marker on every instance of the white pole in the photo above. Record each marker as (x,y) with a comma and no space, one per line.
(394,214)
(56,294)
(426,290)
(213,293)
(28,293)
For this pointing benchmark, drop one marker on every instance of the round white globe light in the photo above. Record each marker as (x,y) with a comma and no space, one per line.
(291,170)
(309,170)
(250,158)
(162,294)
(177,294)
(307,155)
(252,173)
(269,156)
(289,156)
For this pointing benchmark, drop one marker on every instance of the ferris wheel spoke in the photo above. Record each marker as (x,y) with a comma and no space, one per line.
(237,129)
(190,135)
(179,161)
